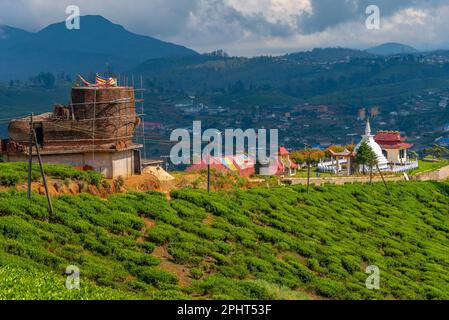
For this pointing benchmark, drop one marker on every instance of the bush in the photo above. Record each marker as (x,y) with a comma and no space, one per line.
(156,276)
(196,273)
(262,244)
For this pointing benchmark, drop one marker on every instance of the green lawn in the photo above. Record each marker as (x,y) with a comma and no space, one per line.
(427,166)
(302,173)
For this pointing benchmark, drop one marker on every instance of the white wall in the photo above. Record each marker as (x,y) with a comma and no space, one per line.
(393,156)
(101,162)
(123,163)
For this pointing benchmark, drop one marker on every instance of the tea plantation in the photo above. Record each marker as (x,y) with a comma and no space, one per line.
(13,173)
(278,243)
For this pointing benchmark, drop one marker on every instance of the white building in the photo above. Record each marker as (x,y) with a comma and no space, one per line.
(369,139)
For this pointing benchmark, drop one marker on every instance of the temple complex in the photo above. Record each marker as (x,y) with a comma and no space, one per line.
(389,147)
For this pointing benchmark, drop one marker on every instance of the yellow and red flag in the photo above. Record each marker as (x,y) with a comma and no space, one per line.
(105,82)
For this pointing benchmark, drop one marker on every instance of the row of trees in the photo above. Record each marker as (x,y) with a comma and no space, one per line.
(43,79)
(315,155)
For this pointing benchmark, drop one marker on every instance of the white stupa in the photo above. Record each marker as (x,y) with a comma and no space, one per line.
(369,139)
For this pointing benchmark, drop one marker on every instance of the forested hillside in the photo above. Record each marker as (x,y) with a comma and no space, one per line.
(330,76)
(278,243)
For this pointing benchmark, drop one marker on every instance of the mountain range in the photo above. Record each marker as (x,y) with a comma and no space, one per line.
(97,45)
(100,45)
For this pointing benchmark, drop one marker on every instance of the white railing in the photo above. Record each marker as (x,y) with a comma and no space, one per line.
(330,167)
(406,167)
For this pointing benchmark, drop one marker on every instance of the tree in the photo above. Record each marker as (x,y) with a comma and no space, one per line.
(334,148)
(437,151)
(413,154)
(298,156)
(350,147)
(302,156)
(47,79)
(365,156)
(372,162)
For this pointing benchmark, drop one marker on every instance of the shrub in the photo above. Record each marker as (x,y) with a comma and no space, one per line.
(196,273)
(156,276)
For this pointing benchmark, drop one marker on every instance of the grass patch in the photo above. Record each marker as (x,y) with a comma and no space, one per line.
(427,166)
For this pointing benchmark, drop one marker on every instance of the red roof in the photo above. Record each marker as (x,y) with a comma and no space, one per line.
(345,154)
(391,140)
(389,136)
(283,152)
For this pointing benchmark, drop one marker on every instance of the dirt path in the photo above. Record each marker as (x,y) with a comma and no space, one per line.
(181,271)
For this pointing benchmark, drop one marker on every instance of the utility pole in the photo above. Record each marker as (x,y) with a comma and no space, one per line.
(383,179)
(307,148)
(41,166)
(44,179)
(208,164)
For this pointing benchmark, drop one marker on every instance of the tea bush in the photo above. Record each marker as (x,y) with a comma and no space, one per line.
(12,173)
(278,243)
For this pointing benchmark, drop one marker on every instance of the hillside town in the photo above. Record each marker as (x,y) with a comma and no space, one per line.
(99,130)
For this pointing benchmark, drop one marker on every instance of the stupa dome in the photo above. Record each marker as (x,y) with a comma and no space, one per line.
(369,139)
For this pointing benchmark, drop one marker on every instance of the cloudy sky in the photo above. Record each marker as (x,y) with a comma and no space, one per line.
(253,27)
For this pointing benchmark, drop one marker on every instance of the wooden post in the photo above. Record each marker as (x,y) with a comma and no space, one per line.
(30,156)
(44,179)
(382,176)
(208,176)
(308,174)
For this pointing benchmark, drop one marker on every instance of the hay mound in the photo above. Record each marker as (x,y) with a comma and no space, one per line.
(159,173)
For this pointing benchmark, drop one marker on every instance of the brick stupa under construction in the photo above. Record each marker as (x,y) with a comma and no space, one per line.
(95,130)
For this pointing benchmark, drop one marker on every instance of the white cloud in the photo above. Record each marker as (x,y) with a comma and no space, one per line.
(252,27)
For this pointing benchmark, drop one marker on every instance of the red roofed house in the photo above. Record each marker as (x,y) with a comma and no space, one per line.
(393,146)
(286,166)
(279,165)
